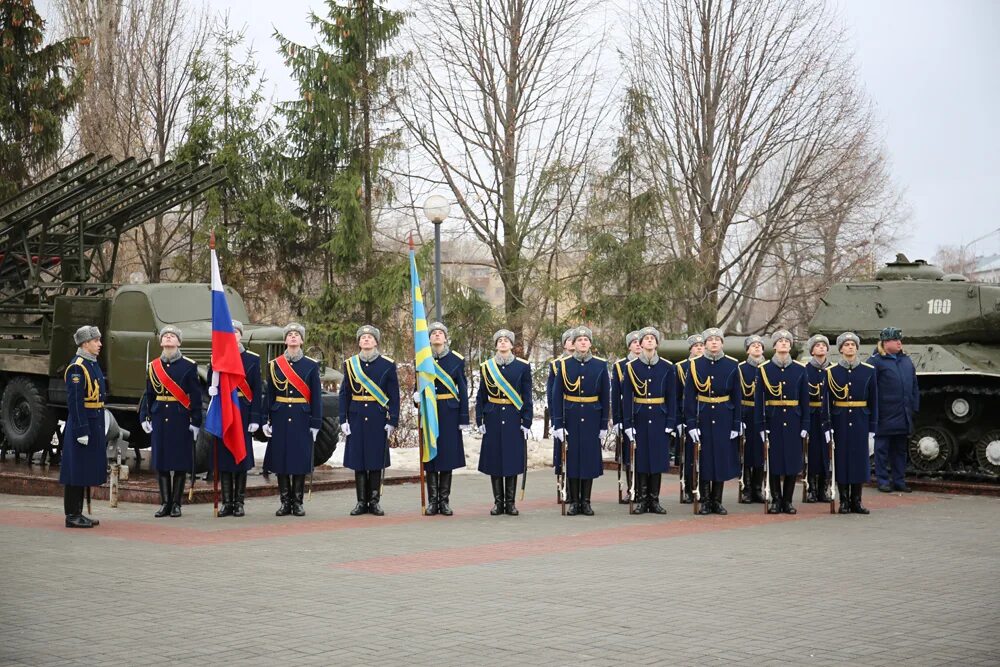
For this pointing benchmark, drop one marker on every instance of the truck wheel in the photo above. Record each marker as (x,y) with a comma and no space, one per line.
(326,441)
(28,421)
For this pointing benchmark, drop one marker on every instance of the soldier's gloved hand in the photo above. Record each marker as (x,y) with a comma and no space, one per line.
(871,444)
(194,431)
(559,434)
(695,435)
(616,428)
(213,390)
(602,434)
(733,435)
(389,430)
(828,435)
(315,432)
(416,398)
(804,434)
(526,432)
(482,429)
(147,426)
(345,428)
(83,440)
(630,434)
(668,431)
(253,428)
(266,428)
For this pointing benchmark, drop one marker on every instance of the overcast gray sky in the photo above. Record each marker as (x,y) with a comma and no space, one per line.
(930,68)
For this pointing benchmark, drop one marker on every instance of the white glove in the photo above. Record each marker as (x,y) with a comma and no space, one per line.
(482,429)
(266,428)
(345,428)
(416,398)
(83,440)
(804,434)
(695,435)
(389,430)
(253,428)
(315,432)
(829,436)
(630,434)
(526,431)
(559,434)
(733,435)
(668,431)
(616,428)
(194,431)
(213,390)
(871,444)
(763,435)
(602,434)
(147,426)
(743,428)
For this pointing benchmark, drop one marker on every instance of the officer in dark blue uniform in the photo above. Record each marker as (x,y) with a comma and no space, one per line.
(84,461)
(369,413)
(233,475)
(171,414)
(819,425)
(503,415)
(622,455)
(696,347)
(567,344)
(649,409)
(783,412)
(581,401)
(293,407)
(712,411)
(898,402)
(753,447)
(453,414)
(853,396)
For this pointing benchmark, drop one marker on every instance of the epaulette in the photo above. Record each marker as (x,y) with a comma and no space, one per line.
(553,362)
(601,359)
(191,360)
(733,358)
(800,363)
(865,363)
(742,362)
(389,359)
(310,358)
(524,360)
(458,355)
(251,352)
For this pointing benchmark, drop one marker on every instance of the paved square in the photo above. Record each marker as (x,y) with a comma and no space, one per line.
(914,583)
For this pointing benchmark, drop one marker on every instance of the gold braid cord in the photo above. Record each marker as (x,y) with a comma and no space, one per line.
(492,388)
(700,387)
(282,385)
(571,387)
(839,392)
(774,391)
(748,389)
(636,383)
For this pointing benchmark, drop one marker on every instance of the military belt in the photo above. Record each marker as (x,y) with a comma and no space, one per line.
(167,399)
(581,399)
(786,404)
(289,399)
(500,401)
(649,401)
(93,404)
(815,404)
(712,399)
(851,404)
(748,404)
(444,397)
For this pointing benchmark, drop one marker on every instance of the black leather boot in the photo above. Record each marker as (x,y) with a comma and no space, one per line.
(586,485)
(433,489)
(706,498)
(811,491)
(375,492)
(822,492)
(639,505)
(497,483)
(717,488)
(572,496)
(177,493)
(510,491)
(787,493)
(746,494)
(626,475)
(856,506)
(444,493)
(298,495)
(361,487)
(285,495)
(166,501)
(845,498)
(757,485)
(655,481)
(226,480)
(73,507)
(776,502)
(239,493)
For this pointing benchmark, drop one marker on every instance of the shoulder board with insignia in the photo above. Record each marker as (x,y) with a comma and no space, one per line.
(600,359)
(191,360)
(733,358)
(389,359)
(742,363)
(458,355)
(800,363)
(524,360)
(78,360)
(310,358)
(865,363)
(251,352)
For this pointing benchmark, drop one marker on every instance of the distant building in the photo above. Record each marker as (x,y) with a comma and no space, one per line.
(986,269)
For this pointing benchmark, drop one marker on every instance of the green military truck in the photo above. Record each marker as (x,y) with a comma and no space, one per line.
(58,246)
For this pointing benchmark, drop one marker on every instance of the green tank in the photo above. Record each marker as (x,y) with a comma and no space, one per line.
(951,329)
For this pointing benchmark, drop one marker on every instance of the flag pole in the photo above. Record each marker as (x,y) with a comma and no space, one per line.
(215,441)
(420,423)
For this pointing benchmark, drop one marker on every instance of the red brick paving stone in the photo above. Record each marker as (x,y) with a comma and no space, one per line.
(505,551)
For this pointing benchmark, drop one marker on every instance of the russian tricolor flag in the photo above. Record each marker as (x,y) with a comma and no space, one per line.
(224,419)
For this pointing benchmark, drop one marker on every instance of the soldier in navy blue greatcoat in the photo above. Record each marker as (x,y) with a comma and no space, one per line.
(293,407)
(649,409)
(696,347)
(369,413)
(712,411)
(898,402)
(753,448)
(818,473)
(453,414)
(233,475)
(84,462)
(567,343)
(622,450)
(581,402)
(853,395)
(783,412)
(503,415)
(170,413)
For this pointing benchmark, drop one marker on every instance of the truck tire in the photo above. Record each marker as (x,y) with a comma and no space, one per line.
(28,421)
(326,441)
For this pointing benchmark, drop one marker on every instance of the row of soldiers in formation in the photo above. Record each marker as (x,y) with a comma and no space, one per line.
(708,400)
